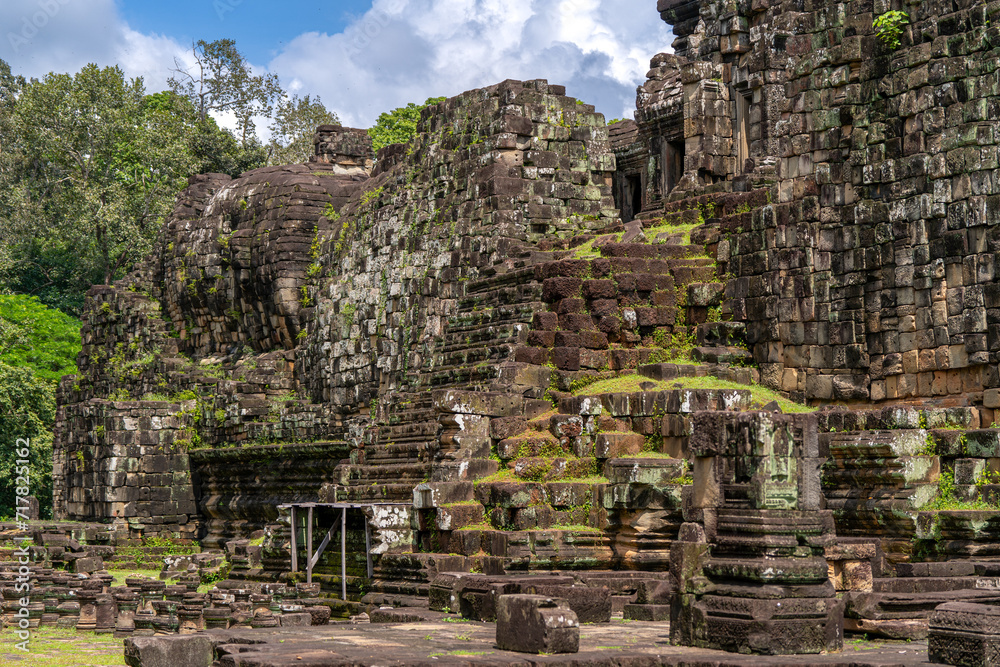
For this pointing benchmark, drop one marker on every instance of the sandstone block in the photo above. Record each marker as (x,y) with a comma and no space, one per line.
(187,650)
(536,624)
(966,634)
(298,619)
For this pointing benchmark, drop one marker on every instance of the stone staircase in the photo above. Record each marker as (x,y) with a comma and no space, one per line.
(598,480)
(491,319)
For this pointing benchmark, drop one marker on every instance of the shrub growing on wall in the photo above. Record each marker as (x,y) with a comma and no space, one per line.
(889,27)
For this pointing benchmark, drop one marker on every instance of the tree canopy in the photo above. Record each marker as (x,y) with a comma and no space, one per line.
(92,172)
(215,149)
(399,125)
(222,80)
(295,122)
(38,338)
(90,163)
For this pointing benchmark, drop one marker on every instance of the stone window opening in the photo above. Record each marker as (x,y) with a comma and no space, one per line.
(741,130)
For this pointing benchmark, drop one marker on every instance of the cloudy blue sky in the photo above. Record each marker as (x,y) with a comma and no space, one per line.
(361,57)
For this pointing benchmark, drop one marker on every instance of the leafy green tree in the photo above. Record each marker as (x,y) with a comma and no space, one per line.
(27,411)
(399,125)
(295,122)
(93,171)
(38,338)
(222,80)
(215,149)
(10,86)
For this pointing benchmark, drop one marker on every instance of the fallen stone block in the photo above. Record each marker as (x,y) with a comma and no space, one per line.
(536,624)
(966,634)
(320,614)
(400,615)
(187,650)
(591,605)
(298,619)
(87,565)
(647,612)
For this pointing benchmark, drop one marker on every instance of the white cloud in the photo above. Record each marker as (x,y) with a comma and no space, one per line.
(41,36)
(407,50)
(399,51)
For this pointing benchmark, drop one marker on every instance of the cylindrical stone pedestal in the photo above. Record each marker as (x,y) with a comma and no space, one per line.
(189,619)
(69,614)
(216,618)
(88,610)
(144,624)
(106,611)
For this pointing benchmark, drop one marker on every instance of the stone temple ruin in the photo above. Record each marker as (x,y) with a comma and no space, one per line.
(528,348)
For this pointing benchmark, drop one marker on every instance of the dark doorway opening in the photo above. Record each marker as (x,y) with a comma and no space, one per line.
(634,196)
(673,168)
(631,200)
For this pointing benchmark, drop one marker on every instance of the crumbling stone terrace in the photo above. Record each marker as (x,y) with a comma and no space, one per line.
(542,346)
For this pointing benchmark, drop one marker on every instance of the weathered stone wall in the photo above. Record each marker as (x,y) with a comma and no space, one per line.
(239,488)
(869,275)
(126,462)
(411,274)
(436,237)
(210,320)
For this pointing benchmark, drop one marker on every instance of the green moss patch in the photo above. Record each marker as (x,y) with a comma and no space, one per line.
(634,383)
(588,251)
(121,575)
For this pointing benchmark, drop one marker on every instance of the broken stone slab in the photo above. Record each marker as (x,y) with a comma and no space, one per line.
(646,612)
(399,615)
(633,233)
(705,294)
(444,590)
(654,472)
(475,595)
(895,606)
(87,565)
(320,614)
(902,629)
(720,355)
(721,334)
(536,624)
(488,404)
(187,650)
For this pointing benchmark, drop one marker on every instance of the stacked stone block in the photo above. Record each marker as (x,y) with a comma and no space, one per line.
(749,563)
(855,279)
(868,277)
(128,462)
(598,468)
(517,162)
